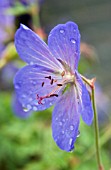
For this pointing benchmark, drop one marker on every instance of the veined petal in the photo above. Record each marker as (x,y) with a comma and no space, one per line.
(33,50)
(18,109)
(31,81)
(65,120)
(85,101)
(64,42)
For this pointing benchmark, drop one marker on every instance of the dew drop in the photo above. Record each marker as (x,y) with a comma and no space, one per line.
(31,63)
(63,120)
(34,83)
(30,99)
(29,107)
(60,123)
(71,127)
(56,118)
(62,131)
(78,134)
(17,85)
(25,110)
(74,30)
(61,31)
(73,40)
(70,141)
(34,108)
(23,96)
(50,103)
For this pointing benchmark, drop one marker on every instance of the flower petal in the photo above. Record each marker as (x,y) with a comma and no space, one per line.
(18,109)
(64,42)
(32,49)
(85,105)
(65,121)
(29,82)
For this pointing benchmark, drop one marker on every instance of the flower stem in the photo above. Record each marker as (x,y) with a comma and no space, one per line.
(100,167)
(91,84)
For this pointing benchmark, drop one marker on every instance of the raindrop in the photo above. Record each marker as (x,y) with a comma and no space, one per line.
(62,131)
(34,108)
(34,83)
(23,96)
(25,110)
(29,107)
(61,31)
(60,123)
(30,99)
(56,118)
(71,127)
(63,120)
(17,85)
(70,141)
(73,40)
(50,103)
(78,133)
(74,30)
(31,63)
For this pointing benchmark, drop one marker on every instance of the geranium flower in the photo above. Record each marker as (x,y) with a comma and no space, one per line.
(51,78)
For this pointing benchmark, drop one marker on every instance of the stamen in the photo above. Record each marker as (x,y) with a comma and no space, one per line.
(52,80)
(63,73)
(42,84)
(56,95)
(49,77)
(59,84)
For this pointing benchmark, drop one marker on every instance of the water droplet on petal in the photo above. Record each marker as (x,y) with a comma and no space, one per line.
(23,96)
(62,131)
(34,108)
(60,123)
(63,120)
(56,118)
(31,63)
(30,99)
(70,141)
(71,127)
(74,30)
(61,31)
(73,40)
(25,110)
(50,103)
(34,83)
(29,107)
(17,85)
(78,134)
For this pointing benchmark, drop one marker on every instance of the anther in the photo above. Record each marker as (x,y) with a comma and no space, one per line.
(49,77)
(59,84)
(63,73)
(56,95)
(42,84)
(52,80)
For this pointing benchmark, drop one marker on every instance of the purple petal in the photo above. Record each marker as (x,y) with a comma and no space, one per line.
(64,42)
(65,121)
(33,50)
(29,82)
(85,105)
(18,109)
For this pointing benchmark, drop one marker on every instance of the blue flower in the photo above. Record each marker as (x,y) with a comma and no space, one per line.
(51,78)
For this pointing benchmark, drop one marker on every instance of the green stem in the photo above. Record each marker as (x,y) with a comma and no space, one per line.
(91,84)
(96,130)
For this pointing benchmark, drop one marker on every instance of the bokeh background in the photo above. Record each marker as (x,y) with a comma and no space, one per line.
(25,138)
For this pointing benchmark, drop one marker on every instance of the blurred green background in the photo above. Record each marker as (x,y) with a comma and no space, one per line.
(26,143)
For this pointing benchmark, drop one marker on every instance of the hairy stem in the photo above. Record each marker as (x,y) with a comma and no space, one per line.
(91,84)
(100,167)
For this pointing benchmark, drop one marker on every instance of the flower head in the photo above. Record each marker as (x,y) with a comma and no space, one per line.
(51,77)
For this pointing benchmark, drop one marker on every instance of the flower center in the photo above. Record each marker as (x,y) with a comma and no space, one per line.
(67,78)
